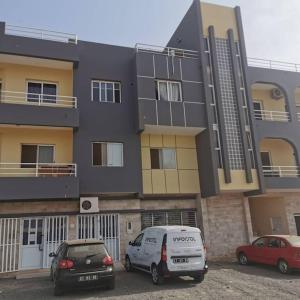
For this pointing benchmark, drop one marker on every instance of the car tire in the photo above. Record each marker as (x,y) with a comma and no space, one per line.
(111,285)
(199,278)
(128,266)
(157,278)
(283,267)
(243,259)
(58,291)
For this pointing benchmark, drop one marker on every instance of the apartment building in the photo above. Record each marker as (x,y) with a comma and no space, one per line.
(101,141)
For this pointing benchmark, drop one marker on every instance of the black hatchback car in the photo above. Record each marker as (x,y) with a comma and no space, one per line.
(81,264)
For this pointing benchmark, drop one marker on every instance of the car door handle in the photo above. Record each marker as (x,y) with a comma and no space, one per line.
(137,249)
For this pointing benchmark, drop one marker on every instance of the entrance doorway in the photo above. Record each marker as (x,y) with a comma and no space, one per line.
(297,220)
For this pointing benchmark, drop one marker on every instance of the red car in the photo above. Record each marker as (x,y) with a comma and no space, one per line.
(282,251)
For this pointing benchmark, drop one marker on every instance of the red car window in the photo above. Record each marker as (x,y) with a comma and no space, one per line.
(274,243)
(262,242)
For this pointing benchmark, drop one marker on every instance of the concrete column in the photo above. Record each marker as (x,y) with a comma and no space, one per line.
(72,228)
(248,221)
(202,213)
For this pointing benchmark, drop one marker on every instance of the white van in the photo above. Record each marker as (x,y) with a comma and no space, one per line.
(166,251)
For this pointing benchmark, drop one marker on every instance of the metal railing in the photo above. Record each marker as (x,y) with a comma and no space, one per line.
(281,171)
(166,51)
(267,115)
(273,64)
(37,169)
(12,97)
(41,34)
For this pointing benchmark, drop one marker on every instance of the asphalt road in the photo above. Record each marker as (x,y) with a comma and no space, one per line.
(223,281)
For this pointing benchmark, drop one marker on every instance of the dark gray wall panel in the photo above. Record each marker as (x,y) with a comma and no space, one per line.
(164,114)
(147,112)
(39,188)
(146,88)
(191,69)
(145,66)
(195,115)
(177,114)
(282,183)
(161,66)
(174,68)
(38,115)
(193,92)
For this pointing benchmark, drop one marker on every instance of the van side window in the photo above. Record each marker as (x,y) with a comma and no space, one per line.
(138,241)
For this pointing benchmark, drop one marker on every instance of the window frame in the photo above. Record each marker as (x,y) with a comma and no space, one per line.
(37,152)
(42,90)
(107,166)
(99,87)
(169,84)
(161,158)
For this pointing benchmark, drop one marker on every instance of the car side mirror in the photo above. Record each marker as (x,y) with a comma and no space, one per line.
(52,254)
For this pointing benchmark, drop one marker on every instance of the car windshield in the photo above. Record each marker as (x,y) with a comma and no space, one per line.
(81,251)
(294,240)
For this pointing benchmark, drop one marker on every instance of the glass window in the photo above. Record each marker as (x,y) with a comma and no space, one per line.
(49,93)
(138,240)
(34,91)
(108,154)
(274,243)
(41,91)
(168,90)
(260,243)
(163,158)
(106,91)
(45,154)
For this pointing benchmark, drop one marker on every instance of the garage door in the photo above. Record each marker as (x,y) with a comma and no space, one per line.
(102,227)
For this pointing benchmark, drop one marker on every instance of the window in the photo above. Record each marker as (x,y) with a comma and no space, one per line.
(41,91)
(168,91)
(33,154)
(138,241)
(260,243)
(106,91)
(266,158)
(108,154)
(0,89)
(163,158)
(258,107)
(274,243)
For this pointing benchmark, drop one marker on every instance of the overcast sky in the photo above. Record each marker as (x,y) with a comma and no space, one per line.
(271,26)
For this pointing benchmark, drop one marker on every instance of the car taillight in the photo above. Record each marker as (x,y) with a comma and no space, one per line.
(164,256)
(65,264)
(107,261)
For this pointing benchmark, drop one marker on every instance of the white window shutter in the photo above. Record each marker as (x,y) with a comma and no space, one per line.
(115,154)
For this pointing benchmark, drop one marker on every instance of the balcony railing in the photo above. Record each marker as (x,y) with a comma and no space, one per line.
(12,97)
(273,64)
(281,171)
(41,34)
(37,170)
(152,49)
(267,115)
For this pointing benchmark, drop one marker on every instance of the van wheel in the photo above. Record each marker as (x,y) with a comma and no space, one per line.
(283,267)
(199,278)
(128,266)
(157,278)
(243,259)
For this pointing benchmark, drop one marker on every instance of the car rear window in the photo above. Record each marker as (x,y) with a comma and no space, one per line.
(294,240)
(79,251)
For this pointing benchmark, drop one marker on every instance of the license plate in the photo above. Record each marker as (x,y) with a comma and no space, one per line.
(180,260)
(88,278)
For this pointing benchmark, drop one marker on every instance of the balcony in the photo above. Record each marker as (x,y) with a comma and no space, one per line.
(281,171)
(267,115)
(159,70)
(38,109)
(38,181)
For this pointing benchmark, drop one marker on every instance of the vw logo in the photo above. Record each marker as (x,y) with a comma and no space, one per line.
(88,261)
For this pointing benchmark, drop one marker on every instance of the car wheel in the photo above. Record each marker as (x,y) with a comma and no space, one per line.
(128,266)
(283,267)
(157,278)
(57,289)
(111,285)
(243,259)
(199,278)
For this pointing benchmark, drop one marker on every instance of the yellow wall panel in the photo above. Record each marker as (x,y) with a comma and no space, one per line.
(282,153)
(267,102)
(146,162)
(185,141)
(145,140)
(169,141)
(147,182)
(15,77)
(158,182)
(172,183)
(189,181)
(13,138)
(221,17)
(187,159)
(156,141)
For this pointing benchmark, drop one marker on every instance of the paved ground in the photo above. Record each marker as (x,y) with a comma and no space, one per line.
(224,281)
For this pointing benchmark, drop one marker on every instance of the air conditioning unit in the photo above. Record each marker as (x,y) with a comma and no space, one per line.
(276,94)
(89,205)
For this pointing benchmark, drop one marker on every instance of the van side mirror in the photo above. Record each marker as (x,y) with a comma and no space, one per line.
(52,254)
(130,243)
